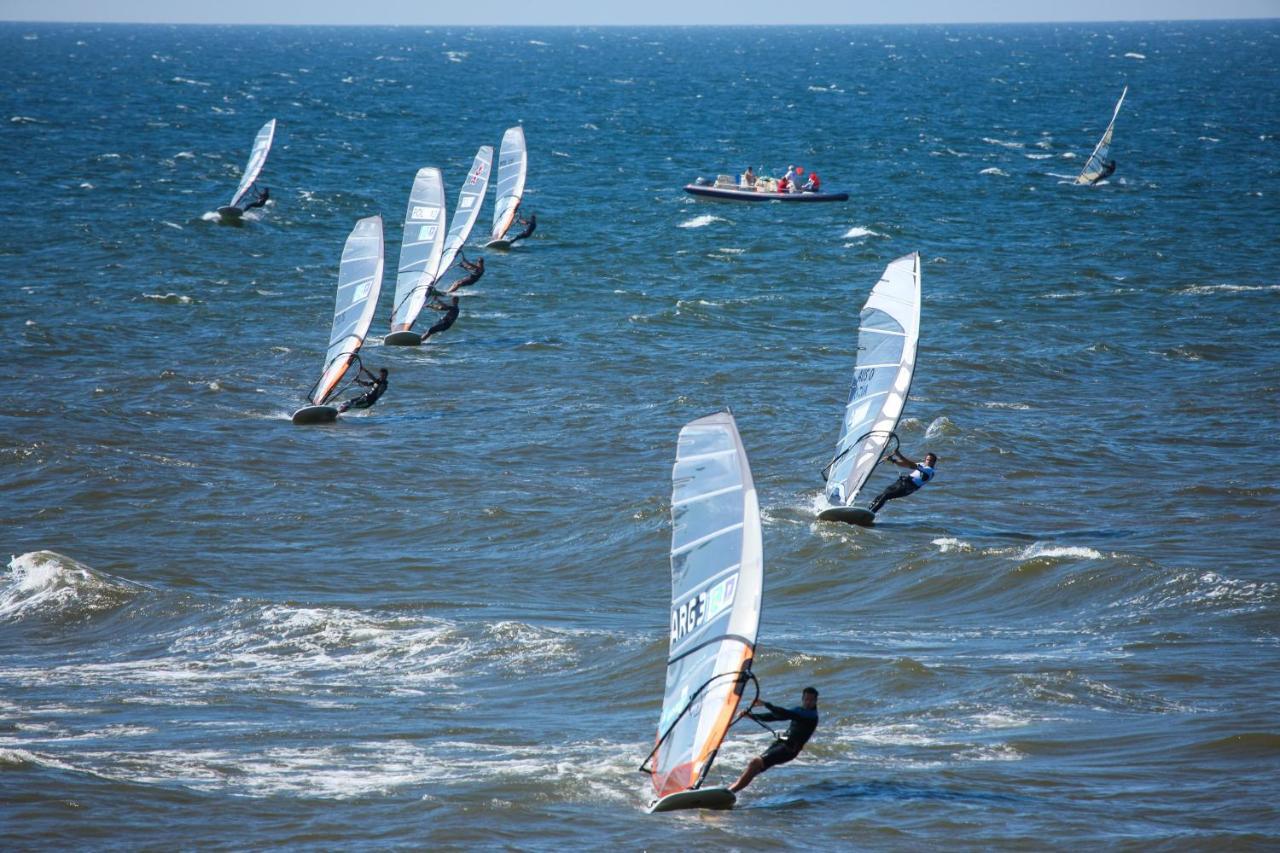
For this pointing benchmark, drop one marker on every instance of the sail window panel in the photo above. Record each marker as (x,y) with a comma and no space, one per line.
(697,442)
(874,319)
(880,349)
(694,567)
(707,474)
(696,519)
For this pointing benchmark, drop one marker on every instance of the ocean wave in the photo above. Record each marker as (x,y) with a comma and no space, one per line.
(949,544)
(992,170)
(700,221)
(1132,55)
(169,298)
(860,231)
(1205,289)
(1002,143)
(1042,551)
(45,583)
(26,120)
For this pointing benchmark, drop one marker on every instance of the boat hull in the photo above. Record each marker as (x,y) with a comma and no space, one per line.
(707,191)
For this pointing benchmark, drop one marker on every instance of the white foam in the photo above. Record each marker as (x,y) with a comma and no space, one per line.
(1018,407)
(700,221)
(998,752)
(43,581)
(992,170)
(1204,289)
(1038,156)
(1002,143)
(1039,549)
(860,231)
(948,544)
(1132,55)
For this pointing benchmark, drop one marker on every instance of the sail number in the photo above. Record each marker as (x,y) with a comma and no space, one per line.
(700,609)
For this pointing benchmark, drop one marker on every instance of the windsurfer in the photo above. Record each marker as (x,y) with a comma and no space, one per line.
(803,720)
(261,200)
(529,224)
(474,271)
(451,314)
(377,386)
(1108,169)
(921,473)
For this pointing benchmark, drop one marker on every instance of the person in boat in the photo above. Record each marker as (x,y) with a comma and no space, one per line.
(261,200)
(803,720)
(474,271)
(790,176)
(450,316)
(749,179)
(906,484)
(529,224)
(1108,169)
(377,386)
(784,184)
(814,184)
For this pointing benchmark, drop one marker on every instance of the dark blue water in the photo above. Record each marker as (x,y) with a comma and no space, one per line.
(443,622)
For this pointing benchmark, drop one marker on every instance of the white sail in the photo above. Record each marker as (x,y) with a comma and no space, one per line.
(420,248)
(470,200)
(1093,168)
(717,571)
(513,162)
(257,159)
(359,282)
(888,332)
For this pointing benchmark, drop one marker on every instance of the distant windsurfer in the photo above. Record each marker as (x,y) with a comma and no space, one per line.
(803,720)
(1108,169)
(529,224)
(261,200)
(474,271)
(906,484)
(450,316)
(377,386)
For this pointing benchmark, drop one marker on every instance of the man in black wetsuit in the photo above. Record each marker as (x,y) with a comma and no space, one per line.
(377,386)
(921,473)
(261,200)
(474,271)
(529,224)
(804,719)
(451,314)
(1108,169)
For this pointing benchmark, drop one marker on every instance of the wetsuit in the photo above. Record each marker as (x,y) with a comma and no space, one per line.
(451,314)
(903,486)
(261,200)
(530,224)
(476,270)
(377,388)
(1108,169)
(803,722)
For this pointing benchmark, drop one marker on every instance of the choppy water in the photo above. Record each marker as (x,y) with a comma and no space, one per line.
(443,622)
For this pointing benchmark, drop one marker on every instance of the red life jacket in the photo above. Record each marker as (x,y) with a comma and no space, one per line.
(782,184)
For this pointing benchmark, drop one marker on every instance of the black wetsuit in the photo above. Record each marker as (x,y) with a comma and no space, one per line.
(903,486)
(531,223)
(451,314)
(368,398)
(261,200)
(468,279)
(803,722)
(1108,169)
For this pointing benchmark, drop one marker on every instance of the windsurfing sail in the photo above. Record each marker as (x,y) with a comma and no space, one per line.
(888,331)
(257,159)
(717,572)
(1093,169)
(513,162)
(359,282)
(470,198)
(420,248)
